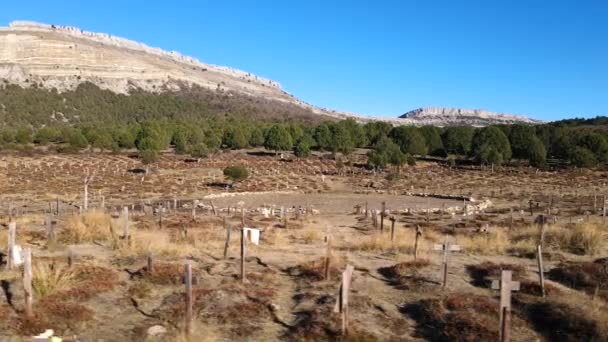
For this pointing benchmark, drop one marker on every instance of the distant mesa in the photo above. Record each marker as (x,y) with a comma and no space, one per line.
(450,116)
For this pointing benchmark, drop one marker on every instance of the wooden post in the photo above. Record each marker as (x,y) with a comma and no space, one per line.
(328,258)
(243,217)
(125,214)
(392,219)
(85,197)
(27,281)
(510,218)
(342,302)
(505,285)
(160,217)
(243,238)
(103,203)
(188,282)
(12,229)
(604,209)
(150,262)
(227,244)
(418,235)
(365,209)
(541,270)
(541,225)
(382,213)
(50,234)
(70,258)
(446,247)
(57,206)
(215,210)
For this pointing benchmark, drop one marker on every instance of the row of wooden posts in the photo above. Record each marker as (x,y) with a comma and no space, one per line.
(506,285)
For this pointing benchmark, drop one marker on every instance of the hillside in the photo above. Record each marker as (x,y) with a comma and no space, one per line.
(39,57)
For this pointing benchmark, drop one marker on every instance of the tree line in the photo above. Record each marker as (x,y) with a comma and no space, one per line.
(388,145)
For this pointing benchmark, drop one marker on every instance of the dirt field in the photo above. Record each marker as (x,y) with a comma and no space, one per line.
(110,294)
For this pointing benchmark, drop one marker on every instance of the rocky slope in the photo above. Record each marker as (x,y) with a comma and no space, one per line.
(440,116)
(59,57)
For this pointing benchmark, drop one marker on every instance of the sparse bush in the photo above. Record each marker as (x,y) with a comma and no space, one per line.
(236,173)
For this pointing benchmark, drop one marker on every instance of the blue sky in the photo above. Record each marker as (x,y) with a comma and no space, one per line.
(547,59)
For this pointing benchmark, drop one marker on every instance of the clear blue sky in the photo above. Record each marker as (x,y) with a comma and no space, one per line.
(547,59)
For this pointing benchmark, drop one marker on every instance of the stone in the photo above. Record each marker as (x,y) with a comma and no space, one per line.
(156,330)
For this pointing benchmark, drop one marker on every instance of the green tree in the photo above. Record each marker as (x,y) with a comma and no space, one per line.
(432,137)
(489,144)
(278,139)
(152,136)
(199,151)
(257,137)
(583,157)
(537,155)
(375,130)
(302,146)
(520,138)
(236,173)
(323,136)
(409,139)
(77,140)
(23,135)
(386,152)
(236,137)
(341,140)
(457,140)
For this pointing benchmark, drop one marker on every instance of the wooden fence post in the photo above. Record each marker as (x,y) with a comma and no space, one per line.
(328,258)
(188,282)
(446,247)
(227,244)
(12,230)
(160,217)
(70,258)
(125,214)
(382,213)
(418,235)
(541,270)
(243,246)
(342,302)
(392,219)
(150,262)
(50,234)
(27,281)
(505,285)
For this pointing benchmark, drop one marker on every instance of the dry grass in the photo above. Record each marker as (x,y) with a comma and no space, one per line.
(309,235)
(160,243)
(404,242)
(88,227)
(48,278)
(591,277)
(491,243)
(315,269)
(584,239)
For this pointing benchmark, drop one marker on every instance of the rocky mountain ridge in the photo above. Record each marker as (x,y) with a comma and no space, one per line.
(63,57)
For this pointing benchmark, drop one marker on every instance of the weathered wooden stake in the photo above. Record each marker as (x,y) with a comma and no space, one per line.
(505,285)
(150,261)
(188,282)
(50,234)
(12,229)
(328,258)
(160,217)
(541,269)
(27,281)
(215,210)
(243,238)
(70,258)
(392,219)
(446,247)
(342,302)
(227,244)
(418,235)
(382,213)
(125,214)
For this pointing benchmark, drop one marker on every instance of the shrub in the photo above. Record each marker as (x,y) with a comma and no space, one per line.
(236,173)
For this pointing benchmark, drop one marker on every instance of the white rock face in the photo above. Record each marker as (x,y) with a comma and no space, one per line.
(450,116)
(63,57)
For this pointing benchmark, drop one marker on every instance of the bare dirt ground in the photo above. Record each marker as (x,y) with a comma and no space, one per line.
(109,294)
